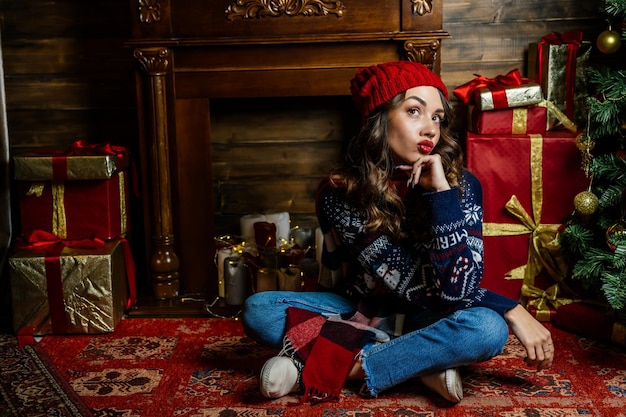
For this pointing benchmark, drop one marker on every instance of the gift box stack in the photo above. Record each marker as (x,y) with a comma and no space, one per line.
(72,269)
(521,144)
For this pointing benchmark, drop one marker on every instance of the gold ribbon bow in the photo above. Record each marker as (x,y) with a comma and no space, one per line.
(542,300)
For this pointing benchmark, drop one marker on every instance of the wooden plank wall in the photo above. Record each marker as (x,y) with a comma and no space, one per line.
(68,76)
(67,73)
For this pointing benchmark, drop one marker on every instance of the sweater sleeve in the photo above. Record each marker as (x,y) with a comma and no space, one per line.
(498,303)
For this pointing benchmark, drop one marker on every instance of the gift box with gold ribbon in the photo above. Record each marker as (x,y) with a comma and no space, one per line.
(518,121)
(558,64)
(76,193)
(70,287)
(501,92)
(529,184)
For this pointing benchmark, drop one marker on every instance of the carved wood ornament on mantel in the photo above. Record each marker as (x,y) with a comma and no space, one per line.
(247,9)
(422,7)
(150,10)
(424,53)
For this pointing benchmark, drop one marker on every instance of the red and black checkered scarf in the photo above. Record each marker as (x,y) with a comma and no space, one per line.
(328,349)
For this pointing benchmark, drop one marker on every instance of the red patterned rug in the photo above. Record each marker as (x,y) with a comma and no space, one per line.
(207,367)
(31,386)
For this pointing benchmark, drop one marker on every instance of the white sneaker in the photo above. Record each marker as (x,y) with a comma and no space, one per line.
(446,383)
(279,377)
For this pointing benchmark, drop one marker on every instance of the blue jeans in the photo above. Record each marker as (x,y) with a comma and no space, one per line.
(446,341)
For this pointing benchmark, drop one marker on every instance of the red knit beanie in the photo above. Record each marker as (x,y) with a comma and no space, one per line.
(376,84)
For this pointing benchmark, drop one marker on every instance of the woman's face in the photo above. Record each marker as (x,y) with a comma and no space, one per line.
(414,127)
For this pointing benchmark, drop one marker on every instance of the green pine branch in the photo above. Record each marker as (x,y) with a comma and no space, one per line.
(615,8)
(607,108)
(614,288)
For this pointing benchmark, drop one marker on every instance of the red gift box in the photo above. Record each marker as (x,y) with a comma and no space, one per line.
(517,121)
(529,184)
(75,209)
(77,193)
(591,320)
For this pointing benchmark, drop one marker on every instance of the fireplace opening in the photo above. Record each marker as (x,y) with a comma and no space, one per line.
(269,154)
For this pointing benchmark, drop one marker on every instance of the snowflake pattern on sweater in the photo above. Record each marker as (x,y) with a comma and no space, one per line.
(444,273)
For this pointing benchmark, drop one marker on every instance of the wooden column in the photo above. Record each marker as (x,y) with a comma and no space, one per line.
(164,263)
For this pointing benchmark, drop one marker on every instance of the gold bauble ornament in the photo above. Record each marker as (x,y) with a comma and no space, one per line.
(618,229)
(609,41)
(585,203)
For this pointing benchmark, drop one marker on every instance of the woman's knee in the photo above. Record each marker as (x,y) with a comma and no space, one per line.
(489,327)
(257,307)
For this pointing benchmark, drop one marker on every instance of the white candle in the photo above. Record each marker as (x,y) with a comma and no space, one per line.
(281,220)
(221,255)
(236,279)
(246,224)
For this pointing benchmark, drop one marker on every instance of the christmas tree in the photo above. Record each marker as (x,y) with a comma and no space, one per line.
(594,238)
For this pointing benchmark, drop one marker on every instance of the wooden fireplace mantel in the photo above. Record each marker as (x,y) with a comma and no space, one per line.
(191,51)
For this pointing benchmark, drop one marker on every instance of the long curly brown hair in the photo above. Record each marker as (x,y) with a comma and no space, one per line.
(369,166)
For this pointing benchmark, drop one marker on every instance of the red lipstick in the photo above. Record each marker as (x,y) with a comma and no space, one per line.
(425,146)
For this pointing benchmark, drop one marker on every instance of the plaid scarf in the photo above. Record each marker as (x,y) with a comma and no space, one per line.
(327,349)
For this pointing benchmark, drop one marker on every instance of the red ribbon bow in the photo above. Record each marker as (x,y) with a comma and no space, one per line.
(40,239)
(81,147)
(556,38)
(512,79)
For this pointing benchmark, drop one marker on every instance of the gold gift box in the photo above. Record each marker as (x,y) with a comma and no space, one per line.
(553,78)
(516,96)
(39,167)
(95,289)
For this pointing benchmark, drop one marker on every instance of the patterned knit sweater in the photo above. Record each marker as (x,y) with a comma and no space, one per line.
(388,276)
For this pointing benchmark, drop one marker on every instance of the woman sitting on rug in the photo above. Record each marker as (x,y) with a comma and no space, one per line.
(402,224)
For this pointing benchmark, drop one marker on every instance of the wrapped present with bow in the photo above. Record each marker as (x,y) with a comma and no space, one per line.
(516,121)
(502,92)
(558,63)
(70,286)
(529,184)
(544,304)
(76,193)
